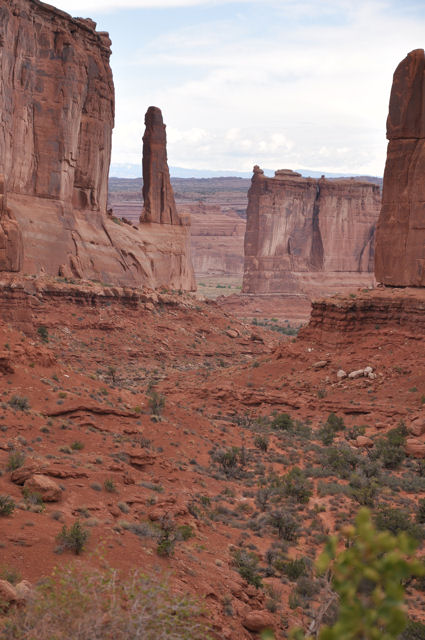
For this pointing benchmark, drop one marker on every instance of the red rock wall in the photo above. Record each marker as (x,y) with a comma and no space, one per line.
(309,236)
(400,237)
(57,115)
(57,105)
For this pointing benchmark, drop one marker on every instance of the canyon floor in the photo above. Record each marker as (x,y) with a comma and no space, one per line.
(136,412)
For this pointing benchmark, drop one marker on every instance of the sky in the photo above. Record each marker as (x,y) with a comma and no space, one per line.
(279,83)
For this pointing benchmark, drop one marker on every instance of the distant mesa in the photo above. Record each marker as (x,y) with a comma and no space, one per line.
(57,104)
(308,236)
(400,237)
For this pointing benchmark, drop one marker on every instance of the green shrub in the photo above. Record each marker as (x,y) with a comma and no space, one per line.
(261,443)
(328,430)
(19,402)
(72,539)
(296,485)
(295,568)
(43,333)
(167,538)
(282,422)
(397,521)
(156,403)
(413,631)
(246,563)
(391,448)
(77,445)
(109,485)
(378,559)
(341,460)
(7,505)
(100,605)
(286,525)
(420,513)
(15,461)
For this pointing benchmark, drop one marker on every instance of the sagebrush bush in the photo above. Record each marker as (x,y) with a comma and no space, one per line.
(72,539)
(15,461)
(246,563)
(78,604)
(7,505)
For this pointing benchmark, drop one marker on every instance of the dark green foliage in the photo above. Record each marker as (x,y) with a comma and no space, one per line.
(420,513)
(282,422)
(156,403)
(391,448)
(363,489)
(397,521)
(72,539)
(295,568)
(168,537)
(19,402)
(261,443)
(378,559)
(15,461)
(413,631)
(43,333)
(341,460)
(246,563)
(286,525)
(230,460)
(295,485)
(330,428)
(7,505)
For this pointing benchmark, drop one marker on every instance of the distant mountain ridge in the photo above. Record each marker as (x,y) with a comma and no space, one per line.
(118,170)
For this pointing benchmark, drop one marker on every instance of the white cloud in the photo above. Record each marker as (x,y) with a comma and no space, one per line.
(307,88)
(74,6)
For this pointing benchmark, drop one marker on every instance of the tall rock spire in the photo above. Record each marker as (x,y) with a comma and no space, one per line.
(159,204)
(400,235)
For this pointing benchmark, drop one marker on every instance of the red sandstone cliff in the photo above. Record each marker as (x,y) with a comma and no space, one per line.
(400,237)
(57,107)
(308,236)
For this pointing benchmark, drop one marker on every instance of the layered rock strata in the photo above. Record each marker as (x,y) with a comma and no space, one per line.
(57,108)
(400,238)
(341,319)
(308,236)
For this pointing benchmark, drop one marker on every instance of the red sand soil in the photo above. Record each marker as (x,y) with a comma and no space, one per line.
(222,380)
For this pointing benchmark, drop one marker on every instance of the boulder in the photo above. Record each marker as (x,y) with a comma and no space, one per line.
(415,447)
(356,374)
(45,487)
(8,592)
(364,441)
(341,374)
(417,427)
(258,621)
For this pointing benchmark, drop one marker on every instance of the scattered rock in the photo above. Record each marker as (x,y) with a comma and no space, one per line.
(45,486)
(233,333)
(356,374)
(320,364)
(341,374)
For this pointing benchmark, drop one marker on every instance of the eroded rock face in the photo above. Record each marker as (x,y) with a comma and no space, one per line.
(57,115)
(307,235)
(400,237)
(158,197)
(11,245)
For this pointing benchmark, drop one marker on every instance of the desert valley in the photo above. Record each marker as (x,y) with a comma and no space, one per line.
(202,380)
